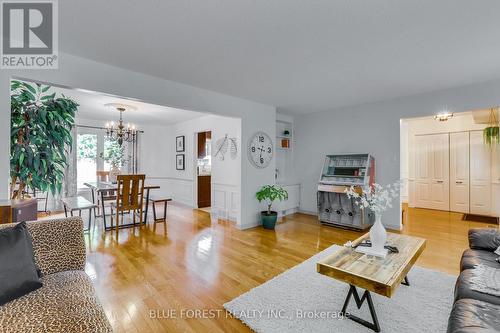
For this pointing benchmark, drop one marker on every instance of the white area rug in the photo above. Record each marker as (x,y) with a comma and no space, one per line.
(277,305)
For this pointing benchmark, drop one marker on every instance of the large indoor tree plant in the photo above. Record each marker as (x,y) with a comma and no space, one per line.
(269,194)
(40,139)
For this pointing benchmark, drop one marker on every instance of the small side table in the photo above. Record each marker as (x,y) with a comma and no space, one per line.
(157,219)
(79,204)
(5,211)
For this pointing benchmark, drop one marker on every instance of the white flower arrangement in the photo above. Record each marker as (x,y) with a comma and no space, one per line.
(378,199)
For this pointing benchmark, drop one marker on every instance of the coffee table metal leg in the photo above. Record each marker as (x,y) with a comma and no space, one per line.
(405,281)
(359,302)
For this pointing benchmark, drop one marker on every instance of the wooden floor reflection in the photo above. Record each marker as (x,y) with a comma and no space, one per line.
(190,263)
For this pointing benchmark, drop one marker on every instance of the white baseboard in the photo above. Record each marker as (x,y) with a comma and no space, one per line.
(184,202)
(307,212)
(248,226)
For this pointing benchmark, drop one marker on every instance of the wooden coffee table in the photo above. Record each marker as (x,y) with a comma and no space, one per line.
(378,275)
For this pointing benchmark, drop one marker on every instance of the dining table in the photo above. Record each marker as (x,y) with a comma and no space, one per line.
(102,188)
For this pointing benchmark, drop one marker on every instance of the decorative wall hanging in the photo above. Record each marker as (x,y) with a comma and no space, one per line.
(225,144)
(180,144)
(179,162)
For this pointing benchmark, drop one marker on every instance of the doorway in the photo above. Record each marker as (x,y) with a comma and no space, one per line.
(448,166)
(204,169)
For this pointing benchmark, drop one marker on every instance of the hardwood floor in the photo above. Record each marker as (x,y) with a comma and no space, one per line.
(191,264)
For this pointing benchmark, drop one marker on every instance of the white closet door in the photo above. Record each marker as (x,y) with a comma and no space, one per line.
(480,175)
(432,171)
(423,172)
(459,172)
(440,193)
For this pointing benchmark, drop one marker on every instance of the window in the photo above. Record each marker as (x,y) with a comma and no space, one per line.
(95,152)
(86,158)
(114,154)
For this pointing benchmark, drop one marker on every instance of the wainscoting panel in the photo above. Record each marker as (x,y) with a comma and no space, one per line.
(234,206)
(165,189)
(182,191)
(219,202)
(226,201)
(225,197)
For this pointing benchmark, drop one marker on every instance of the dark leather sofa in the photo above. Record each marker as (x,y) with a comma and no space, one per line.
(476,312)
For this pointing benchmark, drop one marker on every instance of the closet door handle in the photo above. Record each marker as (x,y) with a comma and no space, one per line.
(439,181)
(459,182)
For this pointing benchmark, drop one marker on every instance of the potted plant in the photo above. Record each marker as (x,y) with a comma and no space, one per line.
(491,133)
(40,137)
(114,154)
(269,194)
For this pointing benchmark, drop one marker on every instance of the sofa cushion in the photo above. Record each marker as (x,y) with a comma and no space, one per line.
(58,244)
(473,316)
(18,273)
(471,258)
(66,303)
(463,289)
(484,239)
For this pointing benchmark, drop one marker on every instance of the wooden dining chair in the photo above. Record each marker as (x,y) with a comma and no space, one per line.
(129,197)
(103,176)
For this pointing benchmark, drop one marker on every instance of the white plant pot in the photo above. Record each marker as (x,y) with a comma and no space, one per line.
(378,235)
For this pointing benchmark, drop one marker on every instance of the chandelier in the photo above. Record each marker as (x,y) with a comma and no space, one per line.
(119,132)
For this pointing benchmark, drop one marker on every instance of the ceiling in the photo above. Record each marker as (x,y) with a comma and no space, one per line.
(92,107)
(300,56)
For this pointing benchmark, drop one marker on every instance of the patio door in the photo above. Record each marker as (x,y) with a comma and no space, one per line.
(89,145)
(97,152)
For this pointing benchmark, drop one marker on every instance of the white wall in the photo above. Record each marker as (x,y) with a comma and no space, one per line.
(403,152)
(76,72)
(225,176)
(154,152)
(374,128)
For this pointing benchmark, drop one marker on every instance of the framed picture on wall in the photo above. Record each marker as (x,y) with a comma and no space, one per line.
(179,161)
(180,143)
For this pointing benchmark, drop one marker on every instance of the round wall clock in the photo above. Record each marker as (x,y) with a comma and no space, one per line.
(260,150)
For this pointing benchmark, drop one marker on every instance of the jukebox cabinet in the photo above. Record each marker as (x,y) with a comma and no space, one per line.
(340,172)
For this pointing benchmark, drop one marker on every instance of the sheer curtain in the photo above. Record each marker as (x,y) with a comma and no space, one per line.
(70,179)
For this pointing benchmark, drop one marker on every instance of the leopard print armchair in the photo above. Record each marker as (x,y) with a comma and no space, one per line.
(67,300)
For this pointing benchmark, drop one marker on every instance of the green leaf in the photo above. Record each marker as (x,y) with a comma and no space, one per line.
(27,96)
(29,87)
(271,193)
(40,135)
(48,97)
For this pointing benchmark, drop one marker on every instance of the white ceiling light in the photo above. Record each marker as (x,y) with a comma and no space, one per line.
(444,116)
